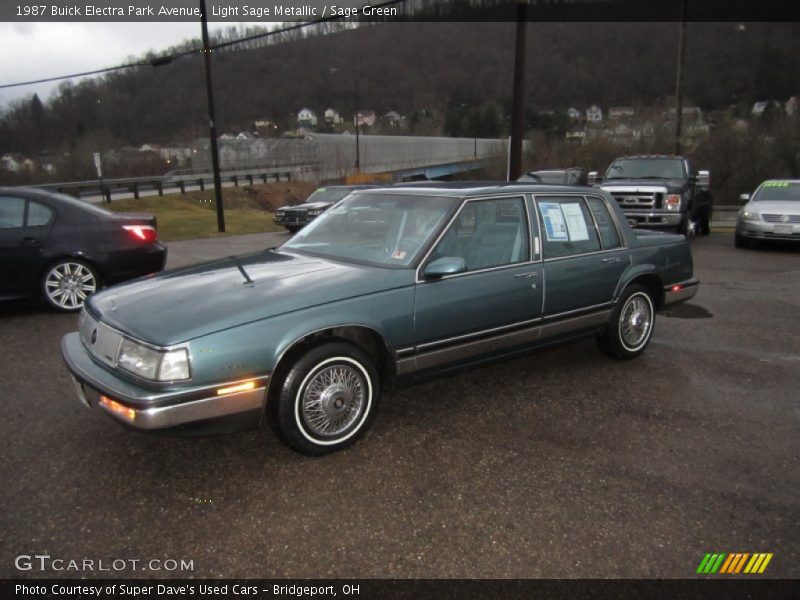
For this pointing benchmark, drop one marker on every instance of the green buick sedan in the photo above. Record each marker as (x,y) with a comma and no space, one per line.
(390,286)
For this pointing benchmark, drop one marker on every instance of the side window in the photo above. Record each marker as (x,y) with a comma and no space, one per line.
(12,212)
(568,228)
(488,233)
(38,214)
(608,231)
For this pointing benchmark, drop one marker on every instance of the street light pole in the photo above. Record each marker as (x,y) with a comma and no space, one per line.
(211,121)
(518,104)
(679,82)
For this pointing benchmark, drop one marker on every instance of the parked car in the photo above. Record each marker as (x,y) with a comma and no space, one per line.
(772,213)
(295,218)
(63,249)
(661,192)
(571,176)
(389,287)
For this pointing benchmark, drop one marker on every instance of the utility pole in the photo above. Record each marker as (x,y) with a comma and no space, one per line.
(518,106)
(358,121)
(679,82)
(212,127)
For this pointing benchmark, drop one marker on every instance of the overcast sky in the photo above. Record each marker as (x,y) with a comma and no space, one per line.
(40,50)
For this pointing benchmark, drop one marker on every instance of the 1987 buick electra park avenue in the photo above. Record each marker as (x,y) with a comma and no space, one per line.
(386,288)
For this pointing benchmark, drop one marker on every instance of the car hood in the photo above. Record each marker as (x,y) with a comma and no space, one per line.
(777,207)
(313,205)
(670,184)
(180,305)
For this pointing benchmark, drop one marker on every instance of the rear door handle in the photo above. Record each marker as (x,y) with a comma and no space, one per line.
(525,275)
(611,260)
(30,241)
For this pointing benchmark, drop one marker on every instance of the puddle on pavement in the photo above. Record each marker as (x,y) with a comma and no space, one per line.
(687,311)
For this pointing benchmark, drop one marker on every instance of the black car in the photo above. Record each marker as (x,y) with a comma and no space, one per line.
(62,249)
(295,218)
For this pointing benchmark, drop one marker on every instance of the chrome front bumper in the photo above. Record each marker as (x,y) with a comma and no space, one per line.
(145,409)
(680,292)
(761,230)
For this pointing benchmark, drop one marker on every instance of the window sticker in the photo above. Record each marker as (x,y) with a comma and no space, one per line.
(776,184)
(554,225)
(576,223)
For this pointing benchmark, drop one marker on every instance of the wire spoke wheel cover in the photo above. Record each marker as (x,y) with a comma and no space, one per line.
(636,321)
(68,284)
(333,400)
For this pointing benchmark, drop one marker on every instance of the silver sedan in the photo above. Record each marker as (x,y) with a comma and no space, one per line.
(772,213)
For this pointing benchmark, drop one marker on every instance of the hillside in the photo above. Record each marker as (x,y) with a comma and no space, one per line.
(416,69)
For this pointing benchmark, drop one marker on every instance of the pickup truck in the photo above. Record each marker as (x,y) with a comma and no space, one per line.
(294,218)
(388,287)
(661,192)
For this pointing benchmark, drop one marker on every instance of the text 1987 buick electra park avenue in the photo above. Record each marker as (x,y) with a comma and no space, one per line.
(388,286)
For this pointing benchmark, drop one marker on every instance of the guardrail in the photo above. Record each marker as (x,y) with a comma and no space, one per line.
(136,185)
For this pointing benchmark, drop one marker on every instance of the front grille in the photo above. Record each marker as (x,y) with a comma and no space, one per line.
(99,339)
(780,218)
(638,199)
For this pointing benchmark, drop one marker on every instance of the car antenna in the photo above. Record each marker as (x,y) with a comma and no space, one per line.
(241,270)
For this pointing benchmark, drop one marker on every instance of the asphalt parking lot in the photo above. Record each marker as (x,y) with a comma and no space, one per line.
(562,463)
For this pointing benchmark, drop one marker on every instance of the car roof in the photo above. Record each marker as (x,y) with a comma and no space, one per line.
(463,189)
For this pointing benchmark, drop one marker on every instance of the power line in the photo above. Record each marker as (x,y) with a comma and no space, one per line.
(169,58)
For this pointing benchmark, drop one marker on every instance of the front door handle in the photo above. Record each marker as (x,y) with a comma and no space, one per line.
(611,260)
(525,275)
(30,241)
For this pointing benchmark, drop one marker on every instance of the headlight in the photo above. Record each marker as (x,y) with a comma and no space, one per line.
(750,215)
(138,359)
(315,213)
(673,203)
(153,364)
(174,365)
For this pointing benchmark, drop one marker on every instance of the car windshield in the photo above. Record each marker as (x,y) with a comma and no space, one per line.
(386,230)
(778,190)
(646,168)
(328,195)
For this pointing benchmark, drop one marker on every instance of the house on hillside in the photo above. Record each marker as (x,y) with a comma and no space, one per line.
(594,114)
(307,118)
(574,114)
(392,118)
(621,113)
(364,117)
(332,117)
(15,162)
(576,134)
(791,106)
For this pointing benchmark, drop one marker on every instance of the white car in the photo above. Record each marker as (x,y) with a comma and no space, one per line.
(772,213)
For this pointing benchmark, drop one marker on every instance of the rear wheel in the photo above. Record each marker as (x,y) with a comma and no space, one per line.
(67,283)
(292,228)
(631,324)
(327,399)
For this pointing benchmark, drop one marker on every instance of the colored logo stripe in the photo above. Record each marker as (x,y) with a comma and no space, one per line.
(734,563)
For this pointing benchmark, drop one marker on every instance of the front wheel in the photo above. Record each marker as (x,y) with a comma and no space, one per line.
(631,324)
(67,283)
(327,399)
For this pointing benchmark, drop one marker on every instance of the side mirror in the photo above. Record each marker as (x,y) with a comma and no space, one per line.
(745,197)
(593,177)
(446,265)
